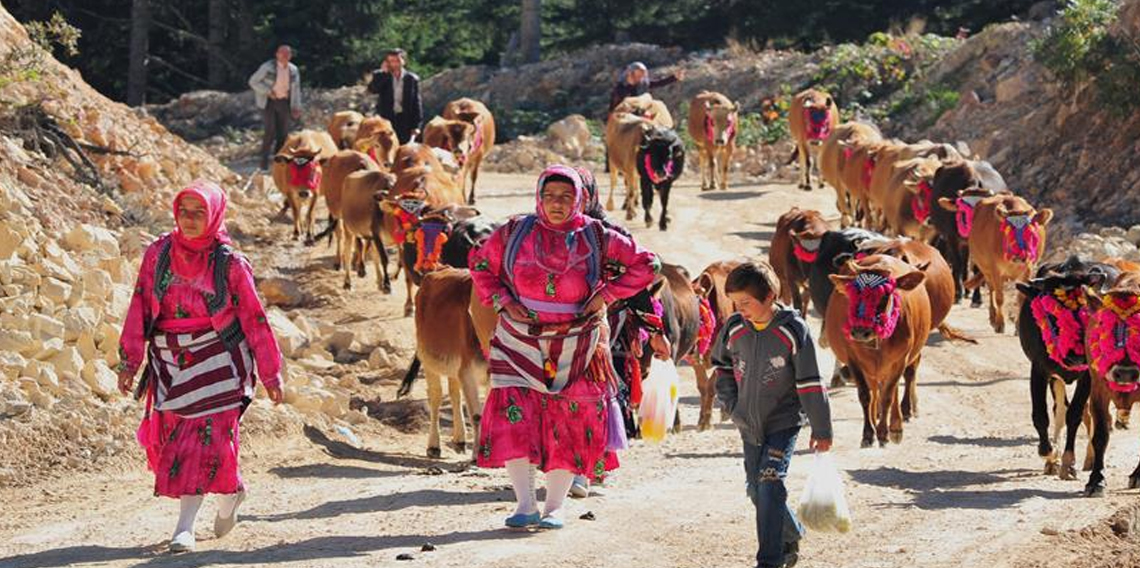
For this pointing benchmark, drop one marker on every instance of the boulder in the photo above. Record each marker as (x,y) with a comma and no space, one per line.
(380,359)
(569,136)
(19,341)
(101,379)
(11,364)
(9,241)
(97,285)
(78,320)
(68,363)
(86,237)
(46,327)
(340,340)
(49,349)
(281,292)
(289,336)
(55,290)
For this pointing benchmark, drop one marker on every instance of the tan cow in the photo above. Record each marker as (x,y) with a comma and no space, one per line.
(624,135)
(710,285)
(447,345)
(647,107)
(1007,240)
(836,152)
(712,127)
(336,169)
(881,339)
(812,116)
(377,138)
(297,174)
(343,127)
(475,113)
(881,183)
(788,257)
(361,196)
(906,202)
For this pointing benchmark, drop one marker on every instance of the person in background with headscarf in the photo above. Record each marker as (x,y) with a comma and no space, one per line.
(549,275)
(196,319)
(635,81)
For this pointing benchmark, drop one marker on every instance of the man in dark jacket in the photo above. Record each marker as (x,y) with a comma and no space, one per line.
(635,82)
(398,96)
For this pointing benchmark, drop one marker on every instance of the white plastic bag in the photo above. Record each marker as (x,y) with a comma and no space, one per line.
(659,400)
(823,504)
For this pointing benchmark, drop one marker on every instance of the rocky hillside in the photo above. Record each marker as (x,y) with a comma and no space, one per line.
(71,236)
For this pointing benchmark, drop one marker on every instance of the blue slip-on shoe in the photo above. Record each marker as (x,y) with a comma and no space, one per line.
(522,521)
(551,523)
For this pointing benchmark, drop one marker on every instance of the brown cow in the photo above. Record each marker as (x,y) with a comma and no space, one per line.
(811,118)
(1114,366)
(447,345)
(789,258)
(361,196)
(377,138)
(335,171)
(878,320)
(712,127)
(343,127)
(880,185)
(682,318)
(647,107)
(297,174)
(1006,241)
(910,199)
(476,113)
(837,149)
(624,135)
(710,285)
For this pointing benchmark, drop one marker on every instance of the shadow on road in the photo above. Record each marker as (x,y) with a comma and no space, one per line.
(985,441)
(330,471)
(343,450)
(389,503)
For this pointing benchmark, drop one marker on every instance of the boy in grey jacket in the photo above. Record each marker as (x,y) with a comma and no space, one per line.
(767,378)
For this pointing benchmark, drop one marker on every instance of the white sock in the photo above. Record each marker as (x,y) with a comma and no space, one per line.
(557,486)
(227,504)
(522,480)
(189,505)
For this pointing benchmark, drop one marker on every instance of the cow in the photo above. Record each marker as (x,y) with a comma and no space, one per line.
(1051,327)
(965,182)
(858,168)
(788,257)
(647,107)
(877,322)
(712,127)
(1111,343)
(1006,241)
(909,201)
(297,174)
(812,116)
(834,154)
(361,218)
(681,317)
(880,186)
(377,138)
(343,127)
(710,286)
(660,161)
(625,133)
(335,171)
(448,345)
(483,138)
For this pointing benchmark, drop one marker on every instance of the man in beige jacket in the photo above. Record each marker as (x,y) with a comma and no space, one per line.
(277,90)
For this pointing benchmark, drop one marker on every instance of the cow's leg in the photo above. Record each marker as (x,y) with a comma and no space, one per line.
(458,424)
(613,182)
(664,190)
(632,183)
(1073,418)
(339,243)
(976,298)
(910,396)
(346,262)
(867,400)
(725,160)
(1100,416)
(1038,393)
(1087,419)
(647,200)
(838,374)
(708,392)
(435,400)
(997,298)
(309,222)
(358,255)
(881,398)
(805,163)
(469,376)
(895,433)
(380,263)
(295,207)
(1122,417)
(704,166)
(1060,407)
(474,176)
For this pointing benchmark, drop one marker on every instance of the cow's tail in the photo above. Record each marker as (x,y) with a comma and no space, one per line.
(410,378)
(328,230)
(954,335)
(795,155)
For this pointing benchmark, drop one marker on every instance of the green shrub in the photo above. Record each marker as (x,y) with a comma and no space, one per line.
(882,65)
(26,62)
(1075,41)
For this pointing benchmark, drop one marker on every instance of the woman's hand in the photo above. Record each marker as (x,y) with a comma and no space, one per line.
(517,312)
(661,347)
(274,393)
(597,304)
(126,382)
(820,445)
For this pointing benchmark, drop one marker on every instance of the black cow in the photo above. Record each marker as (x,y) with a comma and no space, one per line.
(660,161)
(1059,282)
(978,178)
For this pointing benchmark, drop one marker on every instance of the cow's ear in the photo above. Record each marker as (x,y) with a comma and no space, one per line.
(910,280)
(841,259)
(922,267)
(1027,288)
(704,284)
(948,204)
(708,105)
(1094,300)
(840,281)
(655,288)
(1043,217)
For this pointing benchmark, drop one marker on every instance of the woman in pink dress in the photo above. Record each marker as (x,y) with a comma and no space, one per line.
(550,275)
(196,319)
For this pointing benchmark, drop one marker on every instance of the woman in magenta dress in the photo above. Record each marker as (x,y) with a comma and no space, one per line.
(550,275)
(196,319)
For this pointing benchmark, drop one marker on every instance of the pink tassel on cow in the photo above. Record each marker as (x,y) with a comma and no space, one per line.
(1071,322)
(864,294)
(1020,238)
(308,175)
(1114,332)
(920,204)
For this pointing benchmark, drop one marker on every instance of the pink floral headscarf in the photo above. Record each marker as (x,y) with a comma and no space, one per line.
(190,256)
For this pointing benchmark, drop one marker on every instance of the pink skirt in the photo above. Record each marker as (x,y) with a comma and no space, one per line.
(564,431)
(195,456)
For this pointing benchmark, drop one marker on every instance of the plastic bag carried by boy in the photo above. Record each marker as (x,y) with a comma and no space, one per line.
(659,400)
(823,504)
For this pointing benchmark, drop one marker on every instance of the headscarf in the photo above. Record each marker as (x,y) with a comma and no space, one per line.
(635,66)
(191,256)
(593,206)
(576,219)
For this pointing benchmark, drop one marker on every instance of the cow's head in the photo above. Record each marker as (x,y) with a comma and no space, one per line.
(720,123)
(920,182)
(1021,229)
(1113,335)
(376,138)
(1059,304)
(304,162)
(963,207)
(459,139)
(874,287)
(344,127)
(805,243)
(662,155)
(818,109)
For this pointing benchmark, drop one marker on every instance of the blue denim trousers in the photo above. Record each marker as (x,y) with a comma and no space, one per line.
(766,467)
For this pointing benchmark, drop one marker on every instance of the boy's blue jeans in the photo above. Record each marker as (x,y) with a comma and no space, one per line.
(766,466)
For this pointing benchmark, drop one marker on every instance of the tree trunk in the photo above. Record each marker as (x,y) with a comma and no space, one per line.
(140,46)
(219,20)
(530,32)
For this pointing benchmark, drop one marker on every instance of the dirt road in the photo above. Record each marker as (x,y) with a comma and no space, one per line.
(963,489)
